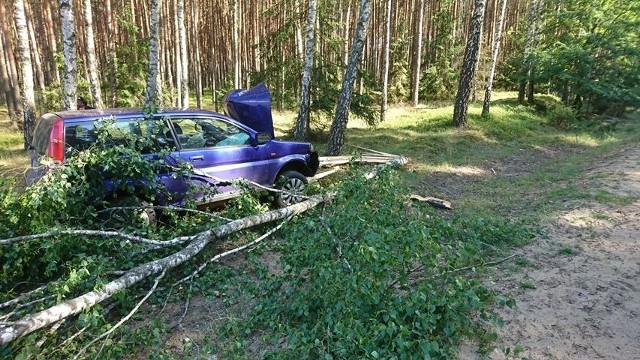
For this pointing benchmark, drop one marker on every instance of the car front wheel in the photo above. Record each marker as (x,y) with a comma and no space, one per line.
(292,185)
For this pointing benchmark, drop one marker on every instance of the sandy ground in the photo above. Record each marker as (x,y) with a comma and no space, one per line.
(578,296)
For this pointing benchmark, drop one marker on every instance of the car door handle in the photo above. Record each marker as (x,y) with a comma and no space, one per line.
(197,157)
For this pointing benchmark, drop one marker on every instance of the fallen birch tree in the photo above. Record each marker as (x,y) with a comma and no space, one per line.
(10,331)
(14,330)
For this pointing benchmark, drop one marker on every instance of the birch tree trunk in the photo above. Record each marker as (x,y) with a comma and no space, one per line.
(92,63)
(302,123)
(153,96)
(30,323)
(336,137)
(28,95)
(417,58)
(468,72)
(494,59)
(70,60)
(184,61)
(385,72)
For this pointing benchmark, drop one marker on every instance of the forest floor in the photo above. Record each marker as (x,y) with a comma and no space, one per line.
(577,287)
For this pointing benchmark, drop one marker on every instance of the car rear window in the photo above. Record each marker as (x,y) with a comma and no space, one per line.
(42,133)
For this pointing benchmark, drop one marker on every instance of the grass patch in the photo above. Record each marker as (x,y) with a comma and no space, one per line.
(13,157)
(567,251)
(606,197)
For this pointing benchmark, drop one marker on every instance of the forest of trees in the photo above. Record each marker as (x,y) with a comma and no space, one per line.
(581,51)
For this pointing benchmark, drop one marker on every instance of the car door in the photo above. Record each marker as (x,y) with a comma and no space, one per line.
(221,149)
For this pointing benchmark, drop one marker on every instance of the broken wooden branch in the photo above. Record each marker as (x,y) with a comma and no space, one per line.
(435,202)
(95,233)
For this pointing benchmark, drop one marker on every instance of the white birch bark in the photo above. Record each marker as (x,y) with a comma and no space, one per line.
(24,56)
(494,59)
(70,55)
(31,323)
(153,95)
(184,61)
(385,71)
(468,72)
(302,123)
(92,63)
(339,125)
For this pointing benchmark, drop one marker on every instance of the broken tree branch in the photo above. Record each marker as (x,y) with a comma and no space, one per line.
(96,233)
(124,319)
(31,323)
(21,297)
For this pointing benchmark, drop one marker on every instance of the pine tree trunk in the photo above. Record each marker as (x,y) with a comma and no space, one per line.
(302,123)
(534,42)
(526,63)
(385,72)
(184,62)
(35,48)
(52,41)
(12,68)
(70,61)
(153,95)
(417,57)
(494,59)
(111,52)
(336,137)
(198,65)
(92,65)
(236,45)
(178,56)
(467,74)
(28,94)
(12,107)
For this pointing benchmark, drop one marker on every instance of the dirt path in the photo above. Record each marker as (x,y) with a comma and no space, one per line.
(578,296)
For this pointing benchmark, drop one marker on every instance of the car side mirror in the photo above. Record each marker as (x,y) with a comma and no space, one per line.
(263,138)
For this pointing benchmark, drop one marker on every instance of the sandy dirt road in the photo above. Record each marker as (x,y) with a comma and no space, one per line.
(578,294)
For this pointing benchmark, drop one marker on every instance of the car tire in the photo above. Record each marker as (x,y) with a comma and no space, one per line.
(292,185)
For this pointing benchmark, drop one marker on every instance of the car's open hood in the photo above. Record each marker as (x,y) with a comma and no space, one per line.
(251,107)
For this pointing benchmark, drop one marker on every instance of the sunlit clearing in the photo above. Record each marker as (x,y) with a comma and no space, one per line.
(580,140)
(584,218)
(457,170)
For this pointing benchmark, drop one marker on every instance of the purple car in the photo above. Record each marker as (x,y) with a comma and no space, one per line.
(220,148)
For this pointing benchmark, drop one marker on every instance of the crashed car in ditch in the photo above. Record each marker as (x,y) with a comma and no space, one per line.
(220,148)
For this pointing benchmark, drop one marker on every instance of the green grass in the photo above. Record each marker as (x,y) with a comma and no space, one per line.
(567,251)
(13,157)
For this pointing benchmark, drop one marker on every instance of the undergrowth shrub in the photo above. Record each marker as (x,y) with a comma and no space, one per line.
(370,276)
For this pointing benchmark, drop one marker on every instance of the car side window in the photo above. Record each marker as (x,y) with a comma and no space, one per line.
(150,134)
(196,133)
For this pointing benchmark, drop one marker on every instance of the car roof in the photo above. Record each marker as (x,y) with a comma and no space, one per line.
(90,114)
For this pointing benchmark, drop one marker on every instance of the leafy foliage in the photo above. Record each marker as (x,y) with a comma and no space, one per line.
(589,57)
(370,276)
